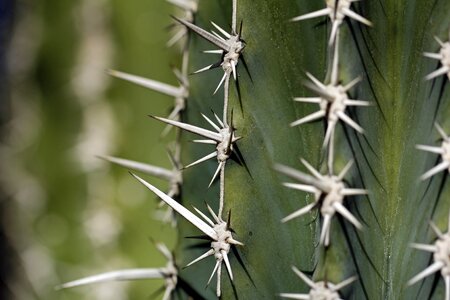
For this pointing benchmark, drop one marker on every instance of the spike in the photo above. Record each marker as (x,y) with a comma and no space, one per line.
(428,271)
(344,283)
(141,167)
(205,158)
(191,128)
(346,214)
(196,221)
(309,118)
(122,275)
(201,257)
(299,212)
(424,247)
(351,14)
(205,34)
(150,84)
(227,263)
(315,14)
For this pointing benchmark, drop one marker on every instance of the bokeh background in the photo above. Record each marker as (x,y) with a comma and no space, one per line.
(65,213)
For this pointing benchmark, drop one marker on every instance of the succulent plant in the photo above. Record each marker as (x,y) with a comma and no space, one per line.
(378,72)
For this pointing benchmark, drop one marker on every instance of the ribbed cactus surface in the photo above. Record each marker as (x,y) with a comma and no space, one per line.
(345,102)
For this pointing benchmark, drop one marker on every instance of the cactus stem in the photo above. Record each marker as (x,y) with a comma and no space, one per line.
(436,266)
(163,88)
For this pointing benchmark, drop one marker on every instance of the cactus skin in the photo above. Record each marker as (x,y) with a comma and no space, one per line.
(399,207)
(397,210)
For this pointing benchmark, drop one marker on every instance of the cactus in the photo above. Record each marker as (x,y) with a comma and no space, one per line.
(351,221)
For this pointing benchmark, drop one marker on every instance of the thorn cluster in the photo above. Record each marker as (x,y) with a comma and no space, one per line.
(329,194)
(443,150)
(224,139)
(441,257)
(230,47)
(333,102)
(320,289)
(337,10)
(220,247)
(443,56)
(218,232)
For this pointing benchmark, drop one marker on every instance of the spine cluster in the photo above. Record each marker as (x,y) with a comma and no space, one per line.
(441,247)
(329,189)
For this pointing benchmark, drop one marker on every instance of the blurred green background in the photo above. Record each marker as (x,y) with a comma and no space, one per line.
(65,213)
